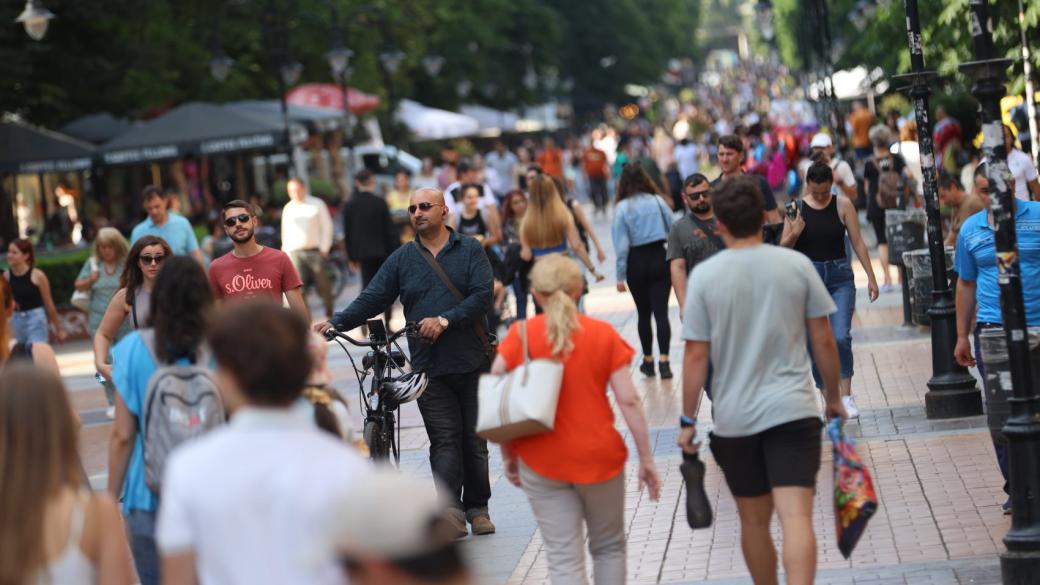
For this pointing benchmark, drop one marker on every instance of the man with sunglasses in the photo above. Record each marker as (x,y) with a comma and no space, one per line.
(251,270)
(452,350)
(694,238)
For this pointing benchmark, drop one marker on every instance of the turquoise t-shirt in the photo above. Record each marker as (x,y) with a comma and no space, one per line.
(177,232)
(132,367)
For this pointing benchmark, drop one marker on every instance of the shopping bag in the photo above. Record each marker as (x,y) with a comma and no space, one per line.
(855,500)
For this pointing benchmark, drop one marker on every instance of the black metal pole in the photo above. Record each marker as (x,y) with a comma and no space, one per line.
(828,46)
(952,391)
(1021,563)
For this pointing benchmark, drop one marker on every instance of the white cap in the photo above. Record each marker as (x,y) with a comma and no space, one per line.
(821,140)
(390,515)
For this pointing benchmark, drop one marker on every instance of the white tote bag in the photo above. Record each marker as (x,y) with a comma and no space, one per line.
(81,298)
(522,402)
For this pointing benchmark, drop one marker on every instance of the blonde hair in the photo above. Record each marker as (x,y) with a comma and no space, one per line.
(556,278)
(547,219)
(110,236)
(38,459)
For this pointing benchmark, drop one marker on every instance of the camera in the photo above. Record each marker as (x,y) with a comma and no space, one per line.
(791,208)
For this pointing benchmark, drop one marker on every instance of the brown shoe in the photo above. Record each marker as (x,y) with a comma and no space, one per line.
(482,525)
(458,522)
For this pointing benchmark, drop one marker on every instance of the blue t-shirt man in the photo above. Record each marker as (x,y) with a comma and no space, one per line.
(177,232)
(977,261)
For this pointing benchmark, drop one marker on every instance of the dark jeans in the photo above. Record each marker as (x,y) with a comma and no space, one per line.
(598,192)
(141,526)
(650,284)
(369,268)
(999,447)
(459,457)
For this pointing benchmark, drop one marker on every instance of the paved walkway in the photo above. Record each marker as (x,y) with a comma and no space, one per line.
(939,522)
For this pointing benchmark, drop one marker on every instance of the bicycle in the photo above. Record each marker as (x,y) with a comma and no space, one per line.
(382,403)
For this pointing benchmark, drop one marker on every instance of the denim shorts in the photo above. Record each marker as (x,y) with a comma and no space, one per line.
(30,326)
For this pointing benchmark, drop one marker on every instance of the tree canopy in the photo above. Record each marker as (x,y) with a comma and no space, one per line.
(136,58)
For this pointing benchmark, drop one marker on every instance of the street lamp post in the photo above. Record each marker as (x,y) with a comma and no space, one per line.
(952,391)
(35,18)
(1021,563)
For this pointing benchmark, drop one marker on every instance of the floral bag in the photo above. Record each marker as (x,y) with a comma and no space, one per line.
(855,500)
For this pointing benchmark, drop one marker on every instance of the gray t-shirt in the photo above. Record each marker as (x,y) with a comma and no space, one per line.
(687,240)
(751,305)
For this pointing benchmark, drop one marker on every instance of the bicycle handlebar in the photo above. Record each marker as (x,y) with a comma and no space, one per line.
(410,329)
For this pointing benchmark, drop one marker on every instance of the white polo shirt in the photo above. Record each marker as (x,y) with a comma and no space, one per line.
(253,500)
(1023,169)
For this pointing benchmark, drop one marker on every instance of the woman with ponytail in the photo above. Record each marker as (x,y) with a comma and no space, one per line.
(574,475)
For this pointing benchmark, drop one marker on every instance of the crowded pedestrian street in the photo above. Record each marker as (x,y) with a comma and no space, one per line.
(940,521)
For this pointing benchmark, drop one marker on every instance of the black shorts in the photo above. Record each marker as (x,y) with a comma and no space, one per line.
(879,229)
(782,456)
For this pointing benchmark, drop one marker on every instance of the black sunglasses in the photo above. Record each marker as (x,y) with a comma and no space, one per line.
(240,218)
(423,206)
(158,259)
(699,195)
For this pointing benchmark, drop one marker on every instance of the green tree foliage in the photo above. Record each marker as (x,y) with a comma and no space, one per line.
(137,58)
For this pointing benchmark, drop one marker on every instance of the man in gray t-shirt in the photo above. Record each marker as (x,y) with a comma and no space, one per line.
(753,308)
(694,238)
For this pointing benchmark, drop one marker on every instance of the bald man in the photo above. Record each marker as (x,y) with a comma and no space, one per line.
(453,348)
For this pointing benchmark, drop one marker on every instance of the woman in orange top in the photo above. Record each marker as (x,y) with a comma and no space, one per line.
(574,474)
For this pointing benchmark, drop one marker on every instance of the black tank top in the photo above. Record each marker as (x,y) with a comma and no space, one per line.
(823,238)
(26,294)
(473,226)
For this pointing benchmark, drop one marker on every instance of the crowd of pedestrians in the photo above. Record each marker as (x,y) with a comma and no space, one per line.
(253,476)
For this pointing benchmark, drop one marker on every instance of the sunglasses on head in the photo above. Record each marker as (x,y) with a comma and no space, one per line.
(240,218)
(148,259)
(424,206)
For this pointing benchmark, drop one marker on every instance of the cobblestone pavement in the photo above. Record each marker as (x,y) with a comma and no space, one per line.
(939,522)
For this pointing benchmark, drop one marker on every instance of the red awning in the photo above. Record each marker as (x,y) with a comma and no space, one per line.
(328,95)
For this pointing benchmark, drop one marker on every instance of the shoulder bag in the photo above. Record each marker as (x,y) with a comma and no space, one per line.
(81,298)
(521,402)
(490,345)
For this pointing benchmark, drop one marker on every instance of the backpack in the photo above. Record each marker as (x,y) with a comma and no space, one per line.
(890,185)
(181,403)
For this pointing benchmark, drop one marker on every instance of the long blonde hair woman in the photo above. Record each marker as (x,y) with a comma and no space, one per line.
(575,473)
(548,227)
(53,529)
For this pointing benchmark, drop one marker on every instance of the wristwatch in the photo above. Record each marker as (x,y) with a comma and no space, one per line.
(686,422)
(443,322)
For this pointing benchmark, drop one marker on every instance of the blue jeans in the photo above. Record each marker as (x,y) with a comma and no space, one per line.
(141,526)
(30,326)
(837,277)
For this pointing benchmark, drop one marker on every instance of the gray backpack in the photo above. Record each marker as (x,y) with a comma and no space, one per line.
(181,403)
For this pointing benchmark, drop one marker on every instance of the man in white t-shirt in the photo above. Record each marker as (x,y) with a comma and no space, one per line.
(752,308)
(250,502)
(822,148)
(687,158)
(1027,181)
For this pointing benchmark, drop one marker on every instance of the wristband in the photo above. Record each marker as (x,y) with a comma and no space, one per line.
(686,422)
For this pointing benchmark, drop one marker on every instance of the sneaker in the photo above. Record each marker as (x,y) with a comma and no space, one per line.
(110,412)
(482,525)
(666,370)
(850,406)
(698,511)
(647,368)
(458,522)
(887,288)
(1006,507)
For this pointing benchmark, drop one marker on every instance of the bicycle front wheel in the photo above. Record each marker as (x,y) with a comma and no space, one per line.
(378,446)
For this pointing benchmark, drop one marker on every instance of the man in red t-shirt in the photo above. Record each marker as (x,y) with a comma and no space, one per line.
(251,270)
(551,159)
(597,170)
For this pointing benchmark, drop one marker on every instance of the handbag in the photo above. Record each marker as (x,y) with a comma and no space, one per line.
(521,402)
(81,298)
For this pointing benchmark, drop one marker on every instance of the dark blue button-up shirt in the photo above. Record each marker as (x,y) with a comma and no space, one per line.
(406,274)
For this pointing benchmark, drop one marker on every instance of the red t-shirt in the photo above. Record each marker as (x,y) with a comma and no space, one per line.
(584,446)
(595,163)
(269,273)
(551,161)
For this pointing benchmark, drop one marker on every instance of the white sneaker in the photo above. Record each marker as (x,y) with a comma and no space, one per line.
(850,406)
(110,412)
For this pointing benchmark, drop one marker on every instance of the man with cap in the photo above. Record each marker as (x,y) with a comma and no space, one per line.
(821,148)
(390,529)
(470,175)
